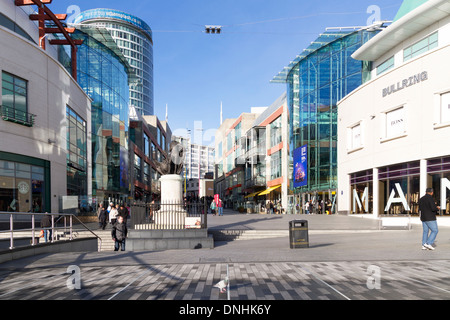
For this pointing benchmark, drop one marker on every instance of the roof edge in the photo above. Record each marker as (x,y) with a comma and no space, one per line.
(394,33)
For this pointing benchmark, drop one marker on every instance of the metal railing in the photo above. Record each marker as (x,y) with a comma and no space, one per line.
(17,116)
(63,219)
(169,216)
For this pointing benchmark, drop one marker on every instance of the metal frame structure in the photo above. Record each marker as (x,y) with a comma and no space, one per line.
(45,14)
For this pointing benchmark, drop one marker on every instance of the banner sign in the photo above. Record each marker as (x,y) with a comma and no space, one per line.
(300,156)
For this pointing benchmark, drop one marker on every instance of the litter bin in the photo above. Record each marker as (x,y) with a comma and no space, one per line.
(298,234)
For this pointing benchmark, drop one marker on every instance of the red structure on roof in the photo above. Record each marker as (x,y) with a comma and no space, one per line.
(45,14)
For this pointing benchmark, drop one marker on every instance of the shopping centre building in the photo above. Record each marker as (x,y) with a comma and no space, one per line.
(394,129)
(252,158)
(316,80)
(45,125)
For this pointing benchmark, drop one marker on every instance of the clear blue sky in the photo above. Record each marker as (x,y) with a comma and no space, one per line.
(194,72)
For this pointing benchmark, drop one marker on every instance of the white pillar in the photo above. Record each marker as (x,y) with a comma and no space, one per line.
(376,194)
(423,177)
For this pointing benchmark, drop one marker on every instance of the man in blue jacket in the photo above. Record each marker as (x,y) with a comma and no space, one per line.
(428,210)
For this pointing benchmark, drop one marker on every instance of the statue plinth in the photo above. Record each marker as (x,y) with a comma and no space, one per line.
(172,212)
(171,189)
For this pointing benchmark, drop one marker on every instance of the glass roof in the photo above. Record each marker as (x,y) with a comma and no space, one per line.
(103,36)
(324,39)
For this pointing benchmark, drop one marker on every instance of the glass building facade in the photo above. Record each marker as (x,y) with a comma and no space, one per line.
(104,75)
(134,38)
(316,80)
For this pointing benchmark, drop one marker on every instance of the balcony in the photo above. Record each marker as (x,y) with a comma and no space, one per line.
(17,116)
(257,181)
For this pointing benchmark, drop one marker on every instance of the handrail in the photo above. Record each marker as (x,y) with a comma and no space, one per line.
(33,227)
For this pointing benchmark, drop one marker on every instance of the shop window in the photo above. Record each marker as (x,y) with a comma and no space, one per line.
(400,188)
(22,187)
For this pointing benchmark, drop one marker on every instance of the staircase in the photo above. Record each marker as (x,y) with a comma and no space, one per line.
(107,243)
(239,234)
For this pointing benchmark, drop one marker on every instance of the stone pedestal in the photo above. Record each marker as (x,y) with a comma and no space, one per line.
(172,214)
(171,188)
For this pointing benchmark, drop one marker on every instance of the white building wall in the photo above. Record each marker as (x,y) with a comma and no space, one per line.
(424,137)
(50,89)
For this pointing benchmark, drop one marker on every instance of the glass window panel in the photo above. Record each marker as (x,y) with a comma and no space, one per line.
(8,85)
(23,174)
(7,77)
(7,98)
(385,66)
(23,167)
(37,176)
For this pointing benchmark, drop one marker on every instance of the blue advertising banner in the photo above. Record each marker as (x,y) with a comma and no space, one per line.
(300,156)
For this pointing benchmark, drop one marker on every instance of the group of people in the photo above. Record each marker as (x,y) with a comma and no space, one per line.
(217,208)
(274,208)
(117,216)
(321,207)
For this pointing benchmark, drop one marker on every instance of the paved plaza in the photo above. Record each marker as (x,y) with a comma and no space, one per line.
(348,258)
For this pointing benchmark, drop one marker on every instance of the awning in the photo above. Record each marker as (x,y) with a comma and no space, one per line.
(252,194)
(269,190)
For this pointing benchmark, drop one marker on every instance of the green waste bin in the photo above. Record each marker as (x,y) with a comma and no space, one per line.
(298,234)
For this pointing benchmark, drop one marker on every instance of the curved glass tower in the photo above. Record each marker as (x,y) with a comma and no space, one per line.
(104,75)
(134,38)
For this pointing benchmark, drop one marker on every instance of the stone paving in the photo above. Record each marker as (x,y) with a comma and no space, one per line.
(348,259)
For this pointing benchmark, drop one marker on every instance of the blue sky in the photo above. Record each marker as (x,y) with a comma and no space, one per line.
(194,72)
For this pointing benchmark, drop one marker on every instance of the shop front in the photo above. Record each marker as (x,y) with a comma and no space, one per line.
(399,187)
(24,184)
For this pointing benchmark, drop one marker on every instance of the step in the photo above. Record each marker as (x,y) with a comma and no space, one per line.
(140,244)
(239,234)
(169,239)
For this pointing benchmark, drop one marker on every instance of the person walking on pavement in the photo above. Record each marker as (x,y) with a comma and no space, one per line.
(119,233)
(101,214)
(46,225)
(113,215)
(220,207)
(428,210)
(123,212)
(306,207)
(213,208)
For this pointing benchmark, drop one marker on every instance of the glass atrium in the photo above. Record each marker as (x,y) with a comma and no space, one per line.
(316,80)
(104,74)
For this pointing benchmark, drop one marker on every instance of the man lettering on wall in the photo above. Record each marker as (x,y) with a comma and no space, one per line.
(428,210)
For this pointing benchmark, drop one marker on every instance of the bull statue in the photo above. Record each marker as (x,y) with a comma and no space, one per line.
(173,162)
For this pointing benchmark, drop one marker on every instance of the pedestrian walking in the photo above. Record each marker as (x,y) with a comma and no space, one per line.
(101,214)
(46,225)
(220,207)
(113,215)
(213,207)
(306,207)
(428,210)
(119,233)
(271,207)
(123,212)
